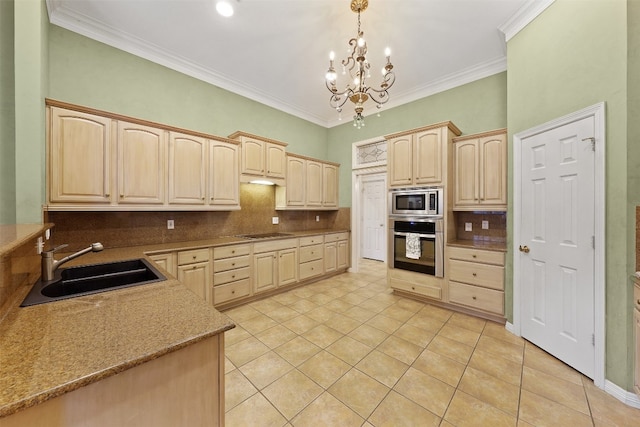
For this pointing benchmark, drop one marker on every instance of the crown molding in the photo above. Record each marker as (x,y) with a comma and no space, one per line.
(523,17)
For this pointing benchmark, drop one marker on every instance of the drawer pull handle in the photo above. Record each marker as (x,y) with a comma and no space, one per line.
(413,288)
(194,267)
(106,195)
(194,257)
(475,256)
(233,292)
(233,251)
(233,277)
(233,264)
(474,274)
(474,297)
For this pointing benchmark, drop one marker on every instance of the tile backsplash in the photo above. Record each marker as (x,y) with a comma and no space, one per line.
(119,229)
(497,231)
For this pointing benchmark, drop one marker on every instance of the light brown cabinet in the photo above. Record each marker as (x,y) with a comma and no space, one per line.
(419,156)
(187,169)
(231,273)
(194,271)
(336,248)
(330,185)
(480,171)
(311,257)
(167,261)
(636,330)
(224,190)
(274,264)
(261,158)
(311,184)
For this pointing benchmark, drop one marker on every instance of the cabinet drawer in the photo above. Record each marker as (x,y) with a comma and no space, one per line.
(334,237)
(195,255)
(311,240)
(476,297)
(231,291)
(229,251)
(230,263)
(310,253)
(231,275)
(274,245)
(489,276)
(311,269)
(428,291)
(476,255)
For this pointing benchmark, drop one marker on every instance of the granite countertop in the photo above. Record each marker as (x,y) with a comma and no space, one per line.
(51,349)
(486,245)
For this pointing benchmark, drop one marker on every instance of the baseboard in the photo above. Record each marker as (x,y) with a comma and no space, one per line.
(624,396)
(509,327)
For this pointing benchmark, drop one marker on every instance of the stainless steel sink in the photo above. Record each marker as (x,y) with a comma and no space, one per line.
(91,279)
(264,235)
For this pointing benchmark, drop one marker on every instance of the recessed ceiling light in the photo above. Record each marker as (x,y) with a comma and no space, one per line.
(224,8)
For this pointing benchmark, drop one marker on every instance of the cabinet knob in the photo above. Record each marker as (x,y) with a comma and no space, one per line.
(233,251)
(194,267)
(106,195)
(474,274)
(233,292)
(474,297)
(233,277)
(194,257)
(202,198)
(474,256)
(233,264)
(122,195)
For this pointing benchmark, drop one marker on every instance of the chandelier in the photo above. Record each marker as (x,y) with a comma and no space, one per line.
(356,89)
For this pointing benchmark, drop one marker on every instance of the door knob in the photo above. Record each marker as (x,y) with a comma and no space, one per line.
(524,249)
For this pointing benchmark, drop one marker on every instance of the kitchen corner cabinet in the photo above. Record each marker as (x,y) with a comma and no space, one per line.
(194,271)
(419,156)
(311,184)
(480,171)
(167,261)
(261,158)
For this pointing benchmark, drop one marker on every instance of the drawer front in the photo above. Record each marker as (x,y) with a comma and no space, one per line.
(274,245)
(311,269)
(231,251)
(231,276)
(489,276)
(427,291)
(231,263)
(311,240)
(476,255)
(310,253)
(334,237)
(192,256)
(476,297)
(231,291)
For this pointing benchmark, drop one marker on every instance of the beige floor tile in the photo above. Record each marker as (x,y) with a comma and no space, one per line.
(558,390)
(291,393)
(283,314)
(424,321)
(462,335)
(228,365)
(467,411)
(400,349)
(349,350)
(374,305)
(266,306)
(415,335)
(542,412)
(342,323)
(265,369)
(303,305)
(245,351)
(540,360)
(446,424)
(451,349)
(242,313)
(501,348)
(411,305)
(321,314)
(258,323)
(297,351)
(354,298)
(428,392)
(436,312)
(398,411)
(398,313)
(301,324)
(497,366)
(324,368)
(276,336)
(491,390)
(235,335)
(383,368)
(237,389)
(339,305)
(608,410)
(368,335)
(286,298)
(359,313)
(320,298)
(443,368)
(384,323)
(326,410)
(498,331)
(255,411)
(337,292)
(475,324)
(322,336)
(305,291)
(359,392)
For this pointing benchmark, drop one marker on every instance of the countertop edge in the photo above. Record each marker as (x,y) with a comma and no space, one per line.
(480,245)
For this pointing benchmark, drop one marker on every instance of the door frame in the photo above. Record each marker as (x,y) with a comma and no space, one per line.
(360,170)
(596,111)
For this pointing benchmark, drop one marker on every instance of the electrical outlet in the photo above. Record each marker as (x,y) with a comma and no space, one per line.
(468,226)
(317,218)
(485,225)
(39,245)
(275,220)
(170,224)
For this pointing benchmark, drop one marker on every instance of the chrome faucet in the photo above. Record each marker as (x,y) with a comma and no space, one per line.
(50,265)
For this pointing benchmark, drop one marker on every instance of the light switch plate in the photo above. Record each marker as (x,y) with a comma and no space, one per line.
(275,220)
(485,225)
(468,226)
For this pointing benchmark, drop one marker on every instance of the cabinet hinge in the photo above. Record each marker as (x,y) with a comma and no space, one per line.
(593,242)
(593,339)
(593,142)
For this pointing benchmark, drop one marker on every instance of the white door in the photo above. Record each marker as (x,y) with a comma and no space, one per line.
(374,214)
(556,243)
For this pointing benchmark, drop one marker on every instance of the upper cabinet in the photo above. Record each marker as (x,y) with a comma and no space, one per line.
(224,185)
(419,157)
(480,171)
(187,169)
(261,158)
(311,184)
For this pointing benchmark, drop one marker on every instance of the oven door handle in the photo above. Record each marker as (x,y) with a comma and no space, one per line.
(428,236)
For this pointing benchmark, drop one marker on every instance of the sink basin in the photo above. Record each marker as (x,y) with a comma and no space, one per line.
(90,279)
(264,235)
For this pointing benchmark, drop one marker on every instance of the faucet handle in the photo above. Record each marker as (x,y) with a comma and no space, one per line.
(56,249)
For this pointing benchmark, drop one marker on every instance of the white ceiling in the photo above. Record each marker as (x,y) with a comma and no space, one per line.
(276,51)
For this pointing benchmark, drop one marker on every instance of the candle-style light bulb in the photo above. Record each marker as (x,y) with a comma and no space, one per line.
(332,55)
(387,52)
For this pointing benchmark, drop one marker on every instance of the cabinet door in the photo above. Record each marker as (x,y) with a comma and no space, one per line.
(223,174)
(264,271)
(197,277)
(636,329)
(330,257)
(493,170)
(275,160)
(427,157)
(166,261)
(252,157)
(342,259)
(466,173)
(187,169)
(296,179)
(79,157)
(400,155)
(287,266)
(329,185)
(314,183)
(141,164)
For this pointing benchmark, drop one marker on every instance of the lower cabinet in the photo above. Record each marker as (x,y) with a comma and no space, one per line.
(336,252)
(194,271)
(636,329)
(274,264)
(311,257)
(167,261)
(231,273)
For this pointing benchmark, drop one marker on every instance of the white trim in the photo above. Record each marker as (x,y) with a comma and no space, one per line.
(596,111)
(354,154)
(523,17)
(626,397)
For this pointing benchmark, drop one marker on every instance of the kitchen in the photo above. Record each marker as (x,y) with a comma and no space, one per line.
(487,105)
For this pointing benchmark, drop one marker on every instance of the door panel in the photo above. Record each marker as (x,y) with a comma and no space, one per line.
(373,219)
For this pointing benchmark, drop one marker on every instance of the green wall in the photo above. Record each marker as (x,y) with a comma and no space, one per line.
(473,107)
(572,56)
(7,116)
